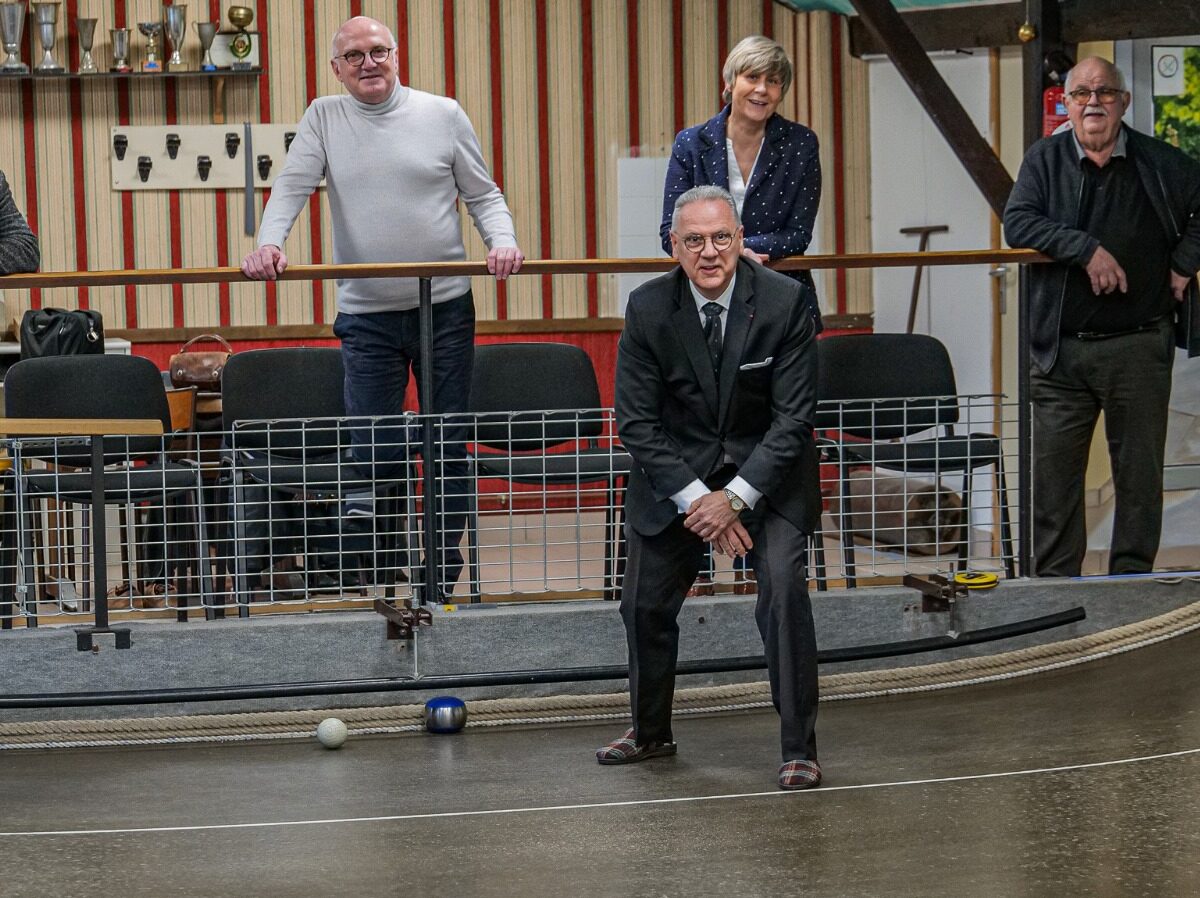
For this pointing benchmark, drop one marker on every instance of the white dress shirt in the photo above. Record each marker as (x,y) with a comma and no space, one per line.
(696,489)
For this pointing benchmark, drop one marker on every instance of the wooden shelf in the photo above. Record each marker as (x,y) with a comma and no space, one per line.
(75,76)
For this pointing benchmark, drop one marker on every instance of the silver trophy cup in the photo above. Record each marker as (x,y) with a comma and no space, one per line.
(47,16)
(175,25)
(12,23)
(87,34)
(151,31)
(207,32)
(120,49)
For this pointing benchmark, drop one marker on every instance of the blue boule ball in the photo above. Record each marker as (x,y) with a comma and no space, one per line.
(445,714)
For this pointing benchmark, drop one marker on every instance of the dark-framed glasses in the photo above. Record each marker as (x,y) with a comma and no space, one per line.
(356,58)
(1105,95)
(694,243)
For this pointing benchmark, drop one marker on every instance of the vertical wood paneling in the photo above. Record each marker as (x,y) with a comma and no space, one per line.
(520,109)
(658,91)
(558,91)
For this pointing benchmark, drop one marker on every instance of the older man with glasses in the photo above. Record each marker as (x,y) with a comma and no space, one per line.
(715,396)
(396,161)
(1119,212)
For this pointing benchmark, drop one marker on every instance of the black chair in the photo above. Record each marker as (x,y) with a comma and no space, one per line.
(538,421)
(137,470)
(286,432)
(876,393)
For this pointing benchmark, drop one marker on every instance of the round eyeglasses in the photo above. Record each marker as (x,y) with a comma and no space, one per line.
(356,58)
(721,241)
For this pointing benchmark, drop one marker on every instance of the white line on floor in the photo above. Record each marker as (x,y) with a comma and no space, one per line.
(604,804)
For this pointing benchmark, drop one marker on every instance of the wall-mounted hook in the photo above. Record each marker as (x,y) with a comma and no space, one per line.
(288,137)
(203,167)
(120,145)
(144,166)
(233,140)
(173,143)
(264,166)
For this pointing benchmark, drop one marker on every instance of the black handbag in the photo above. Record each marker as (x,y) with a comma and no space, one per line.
(61,332)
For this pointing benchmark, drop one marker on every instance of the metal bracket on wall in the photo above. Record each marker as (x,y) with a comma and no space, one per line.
(173,152)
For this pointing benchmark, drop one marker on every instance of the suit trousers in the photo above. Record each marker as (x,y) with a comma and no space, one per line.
(660,570)
(1129,379)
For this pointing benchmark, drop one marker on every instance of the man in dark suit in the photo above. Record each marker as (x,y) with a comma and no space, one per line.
(718,418)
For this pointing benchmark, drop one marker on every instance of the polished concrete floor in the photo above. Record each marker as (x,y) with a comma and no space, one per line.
(1081,782)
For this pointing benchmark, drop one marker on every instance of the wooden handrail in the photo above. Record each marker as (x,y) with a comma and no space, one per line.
(469,269)
(79,427)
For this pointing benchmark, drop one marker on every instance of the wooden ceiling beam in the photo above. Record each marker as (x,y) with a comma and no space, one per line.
(880,18)
(995,25)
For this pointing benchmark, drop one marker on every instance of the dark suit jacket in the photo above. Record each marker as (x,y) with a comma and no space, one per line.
(677,425)
(781,198)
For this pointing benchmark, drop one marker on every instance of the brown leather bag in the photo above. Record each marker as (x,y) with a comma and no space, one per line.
(200,368)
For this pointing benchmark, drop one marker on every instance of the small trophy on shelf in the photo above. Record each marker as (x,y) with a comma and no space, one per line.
(152,31)
(120,50)
(241,45)
(87,34)
(47,17)
(12,23)
(207,32)
(175,25)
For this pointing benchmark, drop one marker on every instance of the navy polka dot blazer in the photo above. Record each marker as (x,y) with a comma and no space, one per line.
(781,198)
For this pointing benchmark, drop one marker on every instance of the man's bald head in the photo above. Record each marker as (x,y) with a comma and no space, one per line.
(370,75)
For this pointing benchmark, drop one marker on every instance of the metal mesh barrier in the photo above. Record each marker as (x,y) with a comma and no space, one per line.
(331,513)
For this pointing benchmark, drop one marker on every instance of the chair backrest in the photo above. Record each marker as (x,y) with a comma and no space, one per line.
(884,386)
(282,384)
(515,383)
(89,386)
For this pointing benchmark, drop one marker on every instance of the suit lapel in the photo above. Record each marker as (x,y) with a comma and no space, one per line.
(769,157)
(715,162)
(737,328)
(687,325)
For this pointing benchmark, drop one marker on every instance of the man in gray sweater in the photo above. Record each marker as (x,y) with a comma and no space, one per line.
(18,245)
(396,161)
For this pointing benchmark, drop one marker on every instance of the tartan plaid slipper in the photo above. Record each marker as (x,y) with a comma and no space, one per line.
(626,751)
(799,774)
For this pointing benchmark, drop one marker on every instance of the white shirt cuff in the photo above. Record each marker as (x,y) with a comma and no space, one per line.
(685,497)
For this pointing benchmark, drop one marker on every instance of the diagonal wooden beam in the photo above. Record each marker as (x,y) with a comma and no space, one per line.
(888,29)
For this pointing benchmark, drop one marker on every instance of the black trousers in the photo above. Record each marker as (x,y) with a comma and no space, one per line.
(660,570)
(1129,379)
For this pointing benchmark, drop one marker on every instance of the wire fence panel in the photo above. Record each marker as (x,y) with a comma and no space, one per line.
(304,514)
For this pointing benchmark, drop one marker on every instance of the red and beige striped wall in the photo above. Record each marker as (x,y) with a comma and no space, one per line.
(559,90)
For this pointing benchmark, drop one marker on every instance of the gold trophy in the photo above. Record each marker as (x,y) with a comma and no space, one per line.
(240,46)
(152,31)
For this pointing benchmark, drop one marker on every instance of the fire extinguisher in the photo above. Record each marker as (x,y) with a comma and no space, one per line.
(1054,109)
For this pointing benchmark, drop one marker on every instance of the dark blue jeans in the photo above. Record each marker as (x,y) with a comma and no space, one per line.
(377,350)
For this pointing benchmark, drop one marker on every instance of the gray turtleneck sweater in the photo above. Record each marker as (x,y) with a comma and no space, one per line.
(394,172)
(18,247)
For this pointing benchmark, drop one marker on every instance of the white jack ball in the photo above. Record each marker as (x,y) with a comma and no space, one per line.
(331,732)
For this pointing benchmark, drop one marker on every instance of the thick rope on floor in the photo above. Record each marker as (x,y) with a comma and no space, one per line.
(561,709)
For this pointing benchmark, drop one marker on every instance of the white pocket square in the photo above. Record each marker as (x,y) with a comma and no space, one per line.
(750,366)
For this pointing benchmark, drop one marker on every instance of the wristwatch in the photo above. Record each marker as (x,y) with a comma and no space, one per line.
(735,501)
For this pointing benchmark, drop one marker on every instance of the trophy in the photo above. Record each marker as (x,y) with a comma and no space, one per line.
(207,31)
(47,16)
(175,25)
(12,23)
(241,45)
(120,49)
(87,34)
(151,31)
